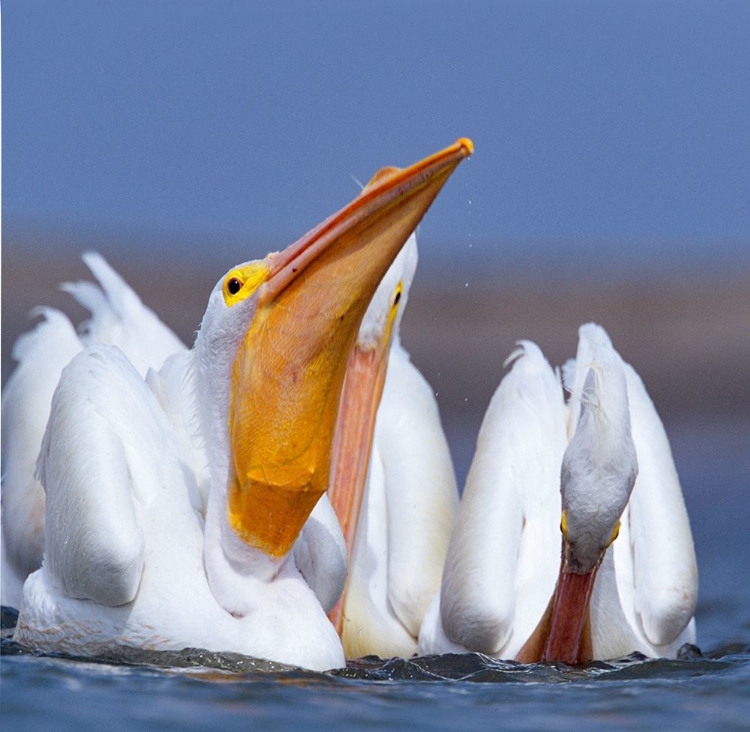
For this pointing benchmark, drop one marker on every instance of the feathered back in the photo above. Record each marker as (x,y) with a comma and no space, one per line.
(41,355)
(502,559)
(119,317)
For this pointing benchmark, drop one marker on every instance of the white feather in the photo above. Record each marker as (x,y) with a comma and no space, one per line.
(136,550)
(410,497)
(125,532)
(41,355)
(118,317)
(502,558)
(645,594)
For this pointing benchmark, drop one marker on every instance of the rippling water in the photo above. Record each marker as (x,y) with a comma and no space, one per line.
(193,689)
(196,689)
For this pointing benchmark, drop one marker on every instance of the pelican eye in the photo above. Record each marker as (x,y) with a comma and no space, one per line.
(396,299)
(243,281)
(393,312)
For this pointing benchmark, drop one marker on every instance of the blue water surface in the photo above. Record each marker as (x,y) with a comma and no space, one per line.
(691,694)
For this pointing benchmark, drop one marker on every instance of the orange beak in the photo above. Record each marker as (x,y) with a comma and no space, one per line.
(564,632)
(289,374)
(570,626)
(363,388)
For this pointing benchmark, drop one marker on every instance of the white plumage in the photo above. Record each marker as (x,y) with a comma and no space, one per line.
(503,554)
(505,551)
(188,509)
(125,536)
(118,317)
(410,495)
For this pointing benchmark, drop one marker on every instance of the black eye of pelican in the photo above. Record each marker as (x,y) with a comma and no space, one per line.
(397,299)
(234,286)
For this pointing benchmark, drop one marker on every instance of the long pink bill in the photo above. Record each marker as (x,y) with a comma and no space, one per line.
(564,632)
(363,388)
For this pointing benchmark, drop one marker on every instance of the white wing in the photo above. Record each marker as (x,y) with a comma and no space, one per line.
(503,555)
(41,355)
(409,506)
(420,489)
(96,450)
(663,554)
(121,503)
(118,317)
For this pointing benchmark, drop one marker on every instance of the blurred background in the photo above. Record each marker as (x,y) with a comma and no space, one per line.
(611,179)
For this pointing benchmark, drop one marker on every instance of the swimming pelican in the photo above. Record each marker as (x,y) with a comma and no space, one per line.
(502,593)
(118,317)
(393,485)
(249,412)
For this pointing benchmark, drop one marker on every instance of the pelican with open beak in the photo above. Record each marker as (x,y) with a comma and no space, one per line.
(241,425)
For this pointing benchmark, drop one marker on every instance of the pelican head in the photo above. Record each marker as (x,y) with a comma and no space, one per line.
(382,319)
(273,348)
(598,472)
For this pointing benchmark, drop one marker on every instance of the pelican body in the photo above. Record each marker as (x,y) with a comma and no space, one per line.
(600,473)
(119,318)
(393,485)
(188,509)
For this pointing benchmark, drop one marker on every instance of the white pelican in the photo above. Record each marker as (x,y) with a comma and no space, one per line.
(393,486)
(118,317)
(249,413)
(502,594)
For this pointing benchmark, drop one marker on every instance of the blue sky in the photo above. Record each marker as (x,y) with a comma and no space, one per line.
(603,130)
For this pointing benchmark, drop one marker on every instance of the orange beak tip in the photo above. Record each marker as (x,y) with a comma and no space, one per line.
(467,144)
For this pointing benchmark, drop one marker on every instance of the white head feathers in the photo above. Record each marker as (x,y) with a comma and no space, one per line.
(376,318)
(600,465)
